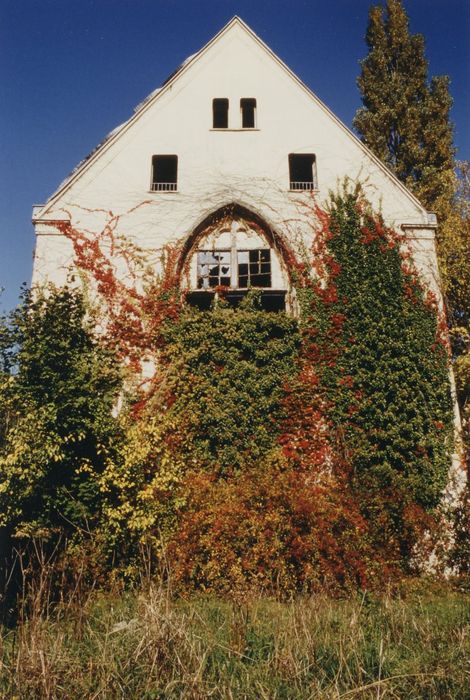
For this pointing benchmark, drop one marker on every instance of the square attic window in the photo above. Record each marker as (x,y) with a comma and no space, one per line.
(302,171)
(164,173)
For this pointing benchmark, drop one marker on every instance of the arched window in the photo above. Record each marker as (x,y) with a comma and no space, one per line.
(230,257)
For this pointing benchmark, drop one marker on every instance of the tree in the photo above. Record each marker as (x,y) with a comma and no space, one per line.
(455,269)
(57,390)
(405,118)
(405,122)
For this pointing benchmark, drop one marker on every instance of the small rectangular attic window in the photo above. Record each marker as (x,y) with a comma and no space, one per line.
(302,171)
(164,173)
(248,110)
(220,113)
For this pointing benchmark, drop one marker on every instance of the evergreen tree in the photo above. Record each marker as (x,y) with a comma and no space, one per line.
(405,122)
(405,118)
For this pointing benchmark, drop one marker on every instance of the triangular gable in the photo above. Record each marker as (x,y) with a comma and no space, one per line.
(150,100)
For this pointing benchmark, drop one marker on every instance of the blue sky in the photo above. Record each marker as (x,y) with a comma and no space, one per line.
(71,70)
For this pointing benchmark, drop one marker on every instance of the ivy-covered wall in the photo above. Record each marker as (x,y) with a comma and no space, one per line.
(267,451)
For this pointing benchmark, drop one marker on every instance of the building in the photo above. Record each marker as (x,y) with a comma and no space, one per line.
(225,158)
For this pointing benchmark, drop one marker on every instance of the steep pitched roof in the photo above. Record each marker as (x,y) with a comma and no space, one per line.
(145,104)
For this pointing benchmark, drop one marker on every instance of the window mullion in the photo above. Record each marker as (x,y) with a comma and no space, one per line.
(233,260)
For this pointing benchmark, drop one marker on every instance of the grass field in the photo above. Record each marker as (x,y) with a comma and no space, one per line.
(146,645)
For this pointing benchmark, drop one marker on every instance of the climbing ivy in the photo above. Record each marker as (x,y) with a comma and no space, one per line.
(228,370)
(382,354)
(265,450)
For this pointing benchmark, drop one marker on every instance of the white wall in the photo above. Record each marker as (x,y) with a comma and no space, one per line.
(216,167)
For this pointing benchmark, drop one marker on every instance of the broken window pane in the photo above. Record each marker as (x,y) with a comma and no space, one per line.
(254,268)
(213,269)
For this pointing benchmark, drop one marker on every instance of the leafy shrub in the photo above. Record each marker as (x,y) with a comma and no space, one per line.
(58,390)
(268,528)
(215,409)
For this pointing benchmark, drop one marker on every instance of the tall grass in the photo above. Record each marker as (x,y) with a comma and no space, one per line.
(148,646)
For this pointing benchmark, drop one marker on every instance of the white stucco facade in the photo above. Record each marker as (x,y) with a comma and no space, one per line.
(217,167)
